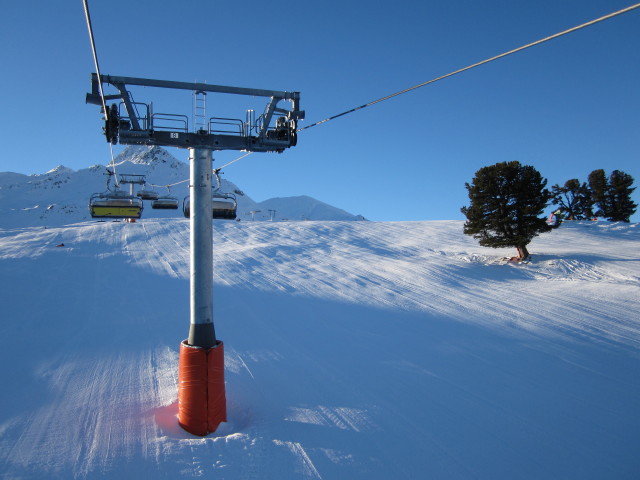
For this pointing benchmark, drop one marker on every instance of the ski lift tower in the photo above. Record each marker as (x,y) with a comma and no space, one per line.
(201,396)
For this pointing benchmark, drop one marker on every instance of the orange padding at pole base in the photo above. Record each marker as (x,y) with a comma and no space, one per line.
(202,403)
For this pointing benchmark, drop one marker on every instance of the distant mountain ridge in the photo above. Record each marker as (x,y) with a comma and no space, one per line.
(60,196)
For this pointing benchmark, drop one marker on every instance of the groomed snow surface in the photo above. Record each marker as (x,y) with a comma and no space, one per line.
(354,350)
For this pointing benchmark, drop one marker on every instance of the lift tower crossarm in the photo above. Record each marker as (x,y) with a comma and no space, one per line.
(147,128)
(205,87)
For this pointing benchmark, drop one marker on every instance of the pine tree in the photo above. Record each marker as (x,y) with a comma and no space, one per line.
(573,199)
(506,201)
(598,188)
(613,195)
(621,207)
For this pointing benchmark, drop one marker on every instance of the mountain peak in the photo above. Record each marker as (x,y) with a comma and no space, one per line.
(60,169)
(145,155)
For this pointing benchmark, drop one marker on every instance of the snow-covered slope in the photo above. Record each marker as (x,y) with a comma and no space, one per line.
(354,350)
(305,208)
(60,196)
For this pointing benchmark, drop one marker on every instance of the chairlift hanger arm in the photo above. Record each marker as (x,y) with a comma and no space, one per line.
(268,114)
(128,104)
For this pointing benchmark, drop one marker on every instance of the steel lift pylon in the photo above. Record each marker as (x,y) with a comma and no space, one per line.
(133,123)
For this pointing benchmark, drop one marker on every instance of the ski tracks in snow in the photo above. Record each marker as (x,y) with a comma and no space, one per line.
(318,318)
(162,250)
(99,409)
(387,265)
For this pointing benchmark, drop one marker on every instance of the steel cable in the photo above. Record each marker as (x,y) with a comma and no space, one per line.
(515,50)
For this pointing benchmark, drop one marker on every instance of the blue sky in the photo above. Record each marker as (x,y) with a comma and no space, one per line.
(566,107)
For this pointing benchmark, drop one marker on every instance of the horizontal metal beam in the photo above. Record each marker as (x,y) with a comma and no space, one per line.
(204,87)
(96,99)
(210,141)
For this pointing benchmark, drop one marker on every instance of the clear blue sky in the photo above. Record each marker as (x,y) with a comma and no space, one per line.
(566,107)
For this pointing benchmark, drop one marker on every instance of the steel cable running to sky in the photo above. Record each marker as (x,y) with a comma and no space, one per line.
(95,61)
(483,62)
(515,50)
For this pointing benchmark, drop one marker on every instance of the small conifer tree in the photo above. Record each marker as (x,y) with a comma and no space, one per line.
(573,199)
(506,201)
(621,207)
(598,187)
(612,196)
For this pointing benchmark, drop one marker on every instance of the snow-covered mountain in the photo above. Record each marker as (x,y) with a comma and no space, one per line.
(61,195)
(306,208)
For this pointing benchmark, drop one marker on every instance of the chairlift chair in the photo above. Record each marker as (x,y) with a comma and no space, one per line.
(165,203)
(186,204)
(223,206)
(115,204)
(148,195)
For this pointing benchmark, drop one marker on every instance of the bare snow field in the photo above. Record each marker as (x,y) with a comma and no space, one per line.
(354,350)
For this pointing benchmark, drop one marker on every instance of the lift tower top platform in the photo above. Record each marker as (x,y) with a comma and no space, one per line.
(133,123)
